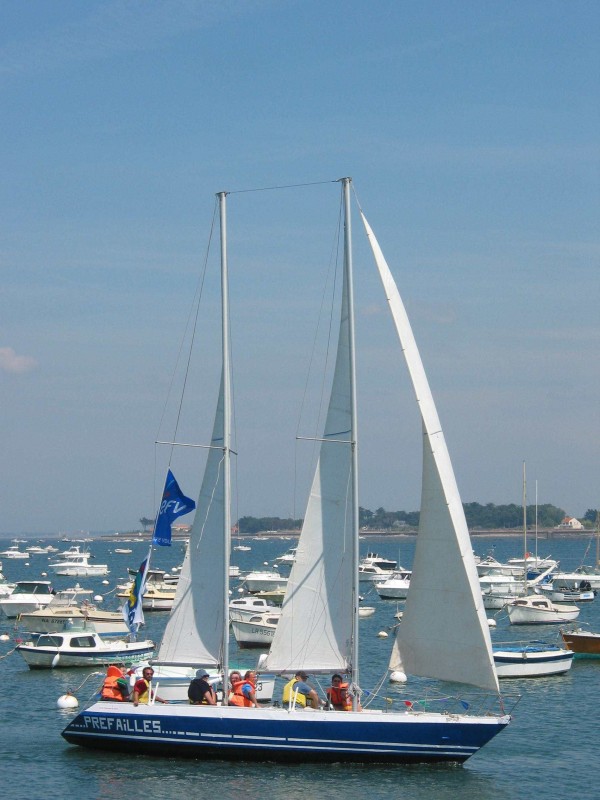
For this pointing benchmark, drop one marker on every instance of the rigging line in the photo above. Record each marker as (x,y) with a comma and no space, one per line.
(195,305)
(283,186)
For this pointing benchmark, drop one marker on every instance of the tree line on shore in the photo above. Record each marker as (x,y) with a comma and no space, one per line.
(483,517)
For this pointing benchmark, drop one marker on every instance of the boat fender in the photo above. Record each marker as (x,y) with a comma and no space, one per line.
(55,660)
(67,700)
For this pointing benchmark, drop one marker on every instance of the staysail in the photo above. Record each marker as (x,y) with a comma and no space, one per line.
(314,632)
(444,632)
(194,632)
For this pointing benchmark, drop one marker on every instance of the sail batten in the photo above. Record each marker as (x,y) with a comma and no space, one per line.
(194,632)
(444,632)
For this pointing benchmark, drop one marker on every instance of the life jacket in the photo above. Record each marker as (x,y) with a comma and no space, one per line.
(110,689)
(143,697)
(237,697)
(289,693)
(338,698)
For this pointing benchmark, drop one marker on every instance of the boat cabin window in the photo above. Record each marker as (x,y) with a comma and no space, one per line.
(49,641)
(31,588)
(82,641)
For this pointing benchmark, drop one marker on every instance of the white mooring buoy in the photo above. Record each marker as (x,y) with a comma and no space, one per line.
(67,700)
(397,676)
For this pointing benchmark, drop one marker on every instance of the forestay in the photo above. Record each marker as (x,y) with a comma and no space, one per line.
(444,632)
(194,632)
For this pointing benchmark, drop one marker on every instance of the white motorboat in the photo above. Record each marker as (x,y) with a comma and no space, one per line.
(565,592)
(256,631)
(77,565)
(264,581)
(590,574)
(14,552)
(242,608)
(27,596)
(537,610)
(242,548)
(65,606)
(513,660)
(395,587)
(76,646)
(122,550)
(6,587)
(157,597)
(288,557)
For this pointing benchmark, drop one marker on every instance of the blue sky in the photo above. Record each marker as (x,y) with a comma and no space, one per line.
(471,132)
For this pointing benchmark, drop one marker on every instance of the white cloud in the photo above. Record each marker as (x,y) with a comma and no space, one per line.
(11,362)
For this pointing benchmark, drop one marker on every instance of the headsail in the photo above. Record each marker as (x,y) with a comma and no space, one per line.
(444,632)
(194,632)
(314,632)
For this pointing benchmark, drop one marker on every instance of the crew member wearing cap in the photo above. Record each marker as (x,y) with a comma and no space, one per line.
(300,692)
(200,692)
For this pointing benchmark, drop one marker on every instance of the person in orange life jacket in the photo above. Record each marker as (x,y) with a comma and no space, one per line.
(200,692)
(142,688)
(115,686)
(234,677)
(243,692)
(337,694)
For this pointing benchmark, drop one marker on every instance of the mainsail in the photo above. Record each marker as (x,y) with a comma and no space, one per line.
(314,632)
(194,632)
(444,632)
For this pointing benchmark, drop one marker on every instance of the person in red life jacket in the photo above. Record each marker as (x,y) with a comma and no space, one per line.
(200,692)
(243,692)
(142,689)
(337,694)
(115,686)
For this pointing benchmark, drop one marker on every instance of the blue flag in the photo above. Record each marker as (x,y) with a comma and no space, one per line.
(174,504)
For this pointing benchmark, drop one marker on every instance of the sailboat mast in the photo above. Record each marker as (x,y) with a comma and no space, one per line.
(226,436)
(524,532)
(353,432)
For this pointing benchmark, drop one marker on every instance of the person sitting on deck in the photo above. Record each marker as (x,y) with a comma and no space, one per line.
(200,692)
(243,692)
(142,690)
(299,692)
(337,694)
(115,686)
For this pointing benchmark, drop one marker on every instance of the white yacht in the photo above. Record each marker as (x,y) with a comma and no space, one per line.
(77,565)
(395,587)
(264,581)
(27,596)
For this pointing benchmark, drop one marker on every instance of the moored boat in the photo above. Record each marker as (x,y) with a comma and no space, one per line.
(583,643)
(537,610)
(531,660)
(77,646)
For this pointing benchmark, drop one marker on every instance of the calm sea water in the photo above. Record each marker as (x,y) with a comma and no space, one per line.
(550,749)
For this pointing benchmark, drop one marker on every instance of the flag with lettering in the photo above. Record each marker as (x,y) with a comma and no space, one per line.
(173,504)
